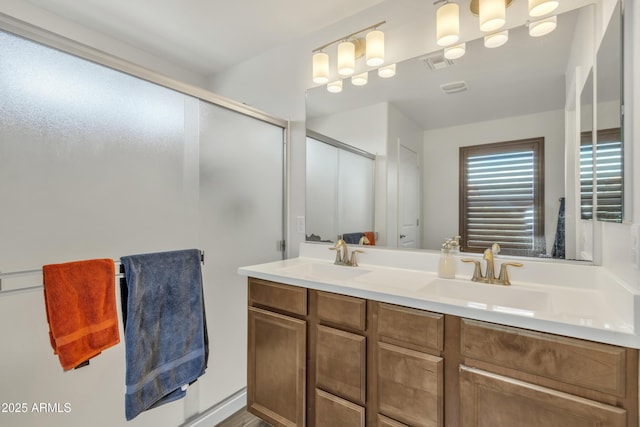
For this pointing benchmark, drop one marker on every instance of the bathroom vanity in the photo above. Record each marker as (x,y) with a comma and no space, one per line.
(387,344)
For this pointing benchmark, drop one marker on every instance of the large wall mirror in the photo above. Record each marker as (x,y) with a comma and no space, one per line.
(554,87)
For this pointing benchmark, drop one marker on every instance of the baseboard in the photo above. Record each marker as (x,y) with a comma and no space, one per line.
(220,411)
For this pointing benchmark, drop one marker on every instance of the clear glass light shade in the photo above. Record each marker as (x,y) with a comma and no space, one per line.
(455,52)
(543,27)
(360,79)
(496,39)
(387,71)
(492,14)
(335,87)
(542,7)
(346,58)
(375,48)
(447,24)
(320,68)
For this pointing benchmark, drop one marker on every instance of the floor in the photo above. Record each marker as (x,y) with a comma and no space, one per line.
(242,418)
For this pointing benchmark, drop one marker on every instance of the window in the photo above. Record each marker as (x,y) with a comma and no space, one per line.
(608,178)
(502,197)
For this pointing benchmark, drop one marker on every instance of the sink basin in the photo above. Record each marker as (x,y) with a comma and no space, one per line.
(323,272)
(507,299)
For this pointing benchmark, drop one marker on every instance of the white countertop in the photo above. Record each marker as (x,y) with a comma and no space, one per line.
(571,299)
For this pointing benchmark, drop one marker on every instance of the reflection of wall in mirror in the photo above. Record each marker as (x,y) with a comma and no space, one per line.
(379,128)
(441,184)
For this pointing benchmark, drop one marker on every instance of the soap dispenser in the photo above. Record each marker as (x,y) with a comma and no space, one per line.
(447,263)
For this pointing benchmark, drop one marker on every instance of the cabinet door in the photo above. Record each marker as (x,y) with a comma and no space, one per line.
(488,399)
(410,386)
(276,377)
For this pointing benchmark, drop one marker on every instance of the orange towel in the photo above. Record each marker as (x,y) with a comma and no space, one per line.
(81,309)
(371,236)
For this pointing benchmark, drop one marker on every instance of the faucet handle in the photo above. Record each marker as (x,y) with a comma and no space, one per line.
(354,257)
(477,271)
(504,273)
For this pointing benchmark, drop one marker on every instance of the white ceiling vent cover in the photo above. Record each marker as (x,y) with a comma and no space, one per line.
(436,61)
(454,87)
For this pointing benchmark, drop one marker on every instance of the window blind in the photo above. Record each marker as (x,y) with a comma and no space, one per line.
(501,198)
(609,176)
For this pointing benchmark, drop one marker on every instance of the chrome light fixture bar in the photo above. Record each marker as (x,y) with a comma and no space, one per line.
(350,48)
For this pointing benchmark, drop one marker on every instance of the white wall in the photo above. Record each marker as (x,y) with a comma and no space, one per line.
(24,11)
(441,153)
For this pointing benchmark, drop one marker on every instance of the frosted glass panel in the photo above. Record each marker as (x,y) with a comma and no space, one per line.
(340,192)
(92,161)
(241,222)
(355,193)
(322,191)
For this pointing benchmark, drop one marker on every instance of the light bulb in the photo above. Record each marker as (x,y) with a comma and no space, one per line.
(320,68)
(360,79)
(346,58)
(492,14)
(387,71)
(447,24)
(496,39)
(335,86)
(375,48)
(543,26)
(455,52)
(542,7)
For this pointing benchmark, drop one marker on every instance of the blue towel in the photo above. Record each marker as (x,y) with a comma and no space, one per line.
(165,331)
(559,242)
(352,238)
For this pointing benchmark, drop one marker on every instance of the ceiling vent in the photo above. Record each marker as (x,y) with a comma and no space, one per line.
(454,87)
(436,61)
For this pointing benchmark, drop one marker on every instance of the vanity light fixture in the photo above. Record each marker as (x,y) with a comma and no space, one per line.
(496,39)
(542,7)
(447,23)
(543,27)
(360,79)
(350,49)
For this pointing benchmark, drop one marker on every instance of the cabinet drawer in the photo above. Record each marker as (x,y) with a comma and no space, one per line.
(342,310)
(331,411)
(410,386)
(291,299)
(488,399)
(341,363)
(409,327)
(599,367)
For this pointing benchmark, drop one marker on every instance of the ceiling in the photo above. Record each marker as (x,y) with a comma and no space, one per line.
(205,36)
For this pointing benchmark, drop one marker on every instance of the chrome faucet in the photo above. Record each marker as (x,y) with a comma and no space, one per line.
(489,276)
(342,254)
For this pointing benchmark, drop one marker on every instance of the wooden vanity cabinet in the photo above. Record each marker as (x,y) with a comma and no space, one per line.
(277,353)
(320,359)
